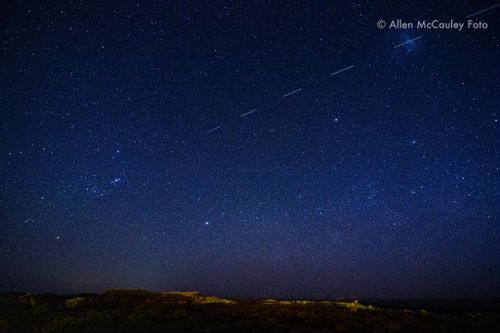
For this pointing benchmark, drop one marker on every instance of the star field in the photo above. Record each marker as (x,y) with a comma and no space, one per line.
(156,145)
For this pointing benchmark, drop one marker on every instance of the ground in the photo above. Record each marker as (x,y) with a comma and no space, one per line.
(144,311)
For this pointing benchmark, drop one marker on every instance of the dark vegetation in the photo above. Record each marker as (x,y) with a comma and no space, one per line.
(142,311)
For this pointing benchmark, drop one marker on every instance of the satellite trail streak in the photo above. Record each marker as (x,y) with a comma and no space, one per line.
(249,112)
(292,92)
(409,41)
(213,129)
(342,70)
(482,11)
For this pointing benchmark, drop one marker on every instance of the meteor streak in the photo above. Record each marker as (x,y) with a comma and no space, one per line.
(213,129)
(482,11)
(342,70)
(409,41)
(249,112)
(292,92)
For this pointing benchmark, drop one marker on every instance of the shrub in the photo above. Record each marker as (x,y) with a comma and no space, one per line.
(75,302)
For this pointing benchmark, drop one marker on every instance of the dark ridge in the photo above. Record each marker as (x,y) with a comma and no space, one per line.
(135,310)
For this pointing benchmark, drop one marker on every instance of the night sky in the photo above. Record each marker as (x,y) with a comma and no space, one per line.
(156,145)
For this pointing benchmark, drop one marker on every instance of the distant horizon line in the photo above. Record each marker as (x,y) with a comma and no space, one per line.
(389,298)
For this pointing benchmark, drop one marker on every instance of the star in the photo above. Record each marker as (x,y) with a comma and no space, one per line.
(116,180)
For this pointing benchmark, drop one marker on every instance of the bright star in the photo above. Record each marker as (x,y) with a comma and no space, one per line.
(116,181)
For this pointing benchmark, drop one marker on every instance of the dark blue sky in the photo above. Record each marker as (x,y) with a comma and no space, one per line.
(125,162)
